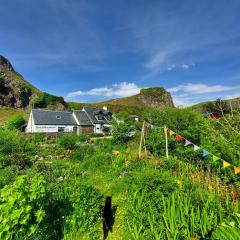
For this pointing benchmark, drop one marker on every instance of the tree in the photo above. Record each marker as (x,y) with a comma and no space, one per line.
(122,127)
(15,122)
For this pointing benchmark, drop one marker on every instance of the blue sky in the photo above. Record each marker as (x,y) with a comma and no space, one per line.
(96,50)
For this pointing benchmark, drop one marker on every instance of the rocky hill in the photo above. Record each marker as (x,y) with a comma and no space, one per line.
(157,98)
(16,92)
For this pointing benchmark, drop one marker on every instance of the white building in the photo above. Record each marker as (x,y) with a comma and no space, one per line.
(86,121)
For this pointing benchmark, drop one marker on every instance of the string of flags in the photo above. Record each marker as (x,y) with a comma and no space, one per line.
(205,153)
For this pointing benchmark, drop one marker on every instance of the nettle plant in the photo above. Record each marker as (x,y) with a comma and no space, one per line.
(22,207)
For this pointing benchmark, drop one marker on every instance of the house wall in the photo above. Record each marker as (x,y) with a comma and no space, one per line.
(49,128)
(86,129)
(98,128)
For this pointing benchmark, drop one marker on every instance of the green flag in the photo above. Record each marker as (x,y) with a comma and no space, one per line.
(215,158)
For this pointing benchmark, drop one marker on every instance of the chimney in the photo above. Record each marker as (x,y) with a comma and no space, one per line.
(105,108)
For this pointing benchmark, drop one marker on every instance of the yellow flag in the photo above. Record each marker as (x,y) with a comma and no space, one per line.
(171,132)
(226,164)
(236,170)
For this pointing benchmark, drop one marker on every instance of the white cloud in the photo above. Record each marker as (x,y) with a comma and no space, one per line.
(234,95)
(117,90)
(185,66)
(192,93)
(199,88)
(171,67)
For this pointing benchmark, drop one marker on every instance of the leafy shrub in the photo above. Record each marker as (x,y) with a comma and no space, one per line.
(10,142)
(47,99)
(15,122)
(22,208)
(67,141)
(122,128)
(86,204)
(82,152)
(7,175)
(38,137)
(83,138)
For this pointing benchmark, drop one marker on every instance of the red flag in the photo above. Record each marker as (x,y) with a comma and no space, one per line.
(179,138)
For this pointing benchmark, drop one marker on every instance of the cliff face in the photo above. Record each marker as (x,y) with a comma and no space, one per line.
(14,90)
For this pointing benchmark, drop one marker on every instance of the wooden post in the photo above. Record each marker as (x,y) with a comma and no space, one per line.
(166,140)
(140,145)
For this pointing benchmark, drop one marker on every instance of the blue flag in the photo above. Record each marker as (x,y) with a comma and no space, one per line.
(205,153)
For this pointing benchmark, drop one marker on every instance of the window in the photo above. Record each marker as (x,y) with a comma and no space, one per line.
(60,129)
(100,116)
(74,129)
(58,117)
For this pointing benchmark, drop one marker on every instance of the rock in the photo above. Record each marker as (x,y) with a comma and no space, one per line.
(156,97)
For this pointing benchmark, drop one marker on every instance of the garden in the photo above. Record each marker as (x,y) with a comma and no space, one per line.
(77,187)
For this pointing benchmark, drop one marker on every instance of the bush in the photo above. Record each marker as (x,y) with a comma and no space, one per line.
(7,175)
(22,208)
(122,128)
(82,152)
(15,122)
(67,141)
(10,142)
(83,138)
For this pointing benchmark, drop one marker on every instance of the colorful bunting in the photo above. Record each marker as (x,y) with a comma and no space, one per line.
(236,170)
(171,132)
(187,142)
(215,158)
(205,153)
(195,148)
(179,138)
(226,164)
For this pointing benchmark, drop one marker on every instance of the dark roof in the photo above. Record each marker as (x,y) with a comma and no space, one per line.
(82,118)
(49,117)
(92,112)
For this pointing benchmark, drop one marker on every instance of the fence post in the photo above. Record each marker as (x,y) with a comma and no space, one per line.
(166,140)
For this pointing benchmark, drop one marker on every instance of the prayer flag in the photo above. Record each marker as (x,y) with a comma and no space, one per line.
(195,147)
(171,132)
(179,138)
(187,142)
(236,170)
(205,153)
(215,158)
(226,164)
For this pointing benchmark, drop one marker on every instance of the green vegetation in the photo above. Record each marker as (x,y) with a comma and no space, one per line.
(15,122)
(47,100)
(55,188)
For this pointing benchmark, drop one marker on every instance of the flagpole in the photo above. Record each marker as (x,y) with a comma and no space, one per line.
(166,140)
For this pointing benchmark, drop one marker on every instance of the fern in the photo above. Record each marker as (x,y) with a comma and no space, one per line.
(229,230)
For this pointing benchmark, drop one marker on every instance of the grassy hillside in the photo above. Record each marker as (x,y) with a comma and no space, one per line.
(6,113)
(234,103)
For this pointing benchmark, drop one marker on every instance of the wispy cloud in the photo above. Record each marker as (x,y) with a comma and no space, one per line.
(123,89)
(192,93)
(199,88)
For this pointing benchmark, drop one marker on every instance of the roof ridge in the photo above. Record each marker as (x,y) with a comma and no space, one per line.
(49,110)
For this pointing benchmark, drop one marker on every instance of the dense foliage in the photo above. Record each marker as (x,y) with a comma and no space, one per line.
(46,100)
(15,122)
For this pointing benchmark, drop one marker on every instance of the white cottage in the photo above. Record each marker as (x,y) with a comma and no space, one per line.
(86,121)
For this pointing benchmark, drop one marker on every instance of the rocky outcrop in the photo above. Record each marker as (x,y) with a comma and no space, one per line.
(6,64)
(14,90)
(156,97)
